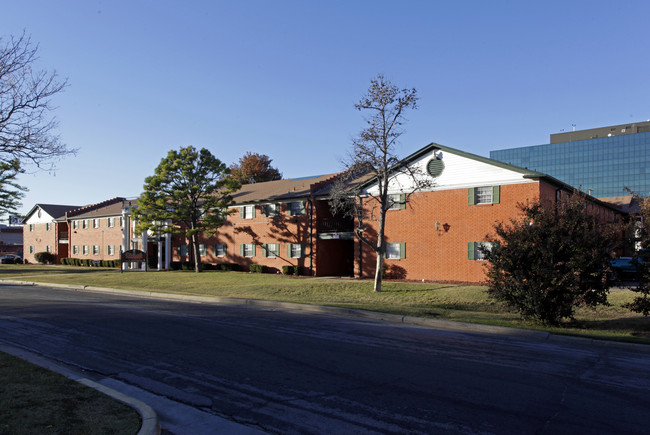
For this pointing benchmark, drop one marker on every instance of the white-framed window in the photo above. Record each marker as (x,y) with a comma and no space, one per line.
(219,250)
(95,249)
(247,250)
(110,222)
(48,248)
(31,249)
(203,250)
(110,249)
(31,228)
(396,201)
(295,250)
(48,226)
(395,250)
(85,249)
(84,224)
(474,251)
(271,250)
(247,211)
(271,210)
(95,223)
(75,250)
(121,219)
(295,208)
(483,195)
(75,224)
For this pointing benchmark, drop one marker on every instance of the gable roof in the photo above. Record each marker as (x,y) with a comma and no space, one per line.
(110,207)
(279,190)
(55,210)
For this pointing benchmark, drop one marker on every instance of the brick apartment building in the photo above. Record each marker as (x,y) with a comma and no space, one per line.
(435,235)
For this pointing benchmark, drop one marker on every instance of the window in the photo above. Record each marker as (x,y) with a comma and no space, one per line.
(396,201)
(75,224)
(48,226)
(203,251)
(121,221)
(395,250)
(295,250)
(85,249)
(95,223)
(48,248)
(31,227)
(247,250)
(84,223)
(75,250)
(182,250)
(110,249)
(474,251)
(295,208)
(247,211)
(219,250)
(95,249)
(31,249)
(271,250)
(270,210)
(110,222)
(483,195)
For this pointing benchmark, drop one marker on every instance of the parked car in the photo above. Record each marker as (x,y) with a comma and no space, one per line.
(625,268)
(11,259)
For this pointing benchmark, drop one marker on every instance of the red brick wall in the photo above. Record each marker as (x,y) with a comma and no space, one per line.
(442,255)
(259,230)
(39,239)
(101,236)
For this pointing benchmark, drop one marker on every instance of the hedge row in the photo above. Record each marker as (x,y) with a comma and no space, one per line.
(69,261)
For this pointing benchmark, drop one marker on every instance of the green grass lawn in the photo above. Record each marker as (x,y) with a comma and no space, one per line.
(443,301)
(37,401)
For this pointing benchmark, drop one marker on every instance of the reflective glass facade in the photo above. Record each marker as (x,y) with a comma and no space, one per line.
(602,166)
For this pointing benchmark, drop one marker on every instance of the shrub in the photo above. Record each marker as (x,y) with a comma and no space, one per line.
(257,268)
(291,270)
(551,260)
(45,257)
(227,267)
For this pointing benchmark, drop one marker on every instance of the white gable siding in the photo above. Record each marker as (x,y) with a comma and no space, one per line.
(34,219)
(460,172)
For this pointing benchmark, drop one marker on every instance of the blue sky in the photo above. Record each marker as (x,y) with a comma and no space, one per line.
(281,78)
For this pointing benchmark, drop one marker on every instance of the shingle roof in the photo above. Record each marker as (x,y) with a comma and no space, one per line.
(55,210)
(279,190)
(110,207)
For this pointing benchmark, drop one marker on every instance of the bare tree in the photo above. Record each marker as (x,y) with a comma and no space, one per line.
(26,125)
(372,162)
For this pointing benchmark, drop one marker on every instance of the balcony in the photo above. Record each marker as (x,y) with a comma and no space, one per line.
(331,225)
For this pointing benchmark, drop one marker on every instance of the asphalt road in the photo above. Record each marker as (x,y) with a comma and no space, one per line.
(288,371)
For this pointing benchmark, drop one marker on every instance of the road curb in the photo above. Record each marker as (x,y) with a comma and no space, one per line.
(450,325)
(150,423)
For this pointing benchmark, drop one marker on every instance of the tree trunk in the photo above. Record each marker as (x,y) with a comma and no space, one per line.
(197,253)
(378,270)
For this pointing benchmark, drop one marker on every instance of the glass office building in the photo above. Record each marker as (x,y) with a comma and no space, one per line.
(600,166)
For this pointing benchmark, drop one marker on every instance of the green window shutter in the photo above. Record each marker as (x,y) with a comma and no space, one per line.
(265,250)
(253,211)
(241,211)
(495,194)
(302,207)
(470,250)
(225,249)
(254,250)
(288,204)
(277,250)
(402,201)
(402,250)
(289,250)
(241,249)
(470,196)
(302,251)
